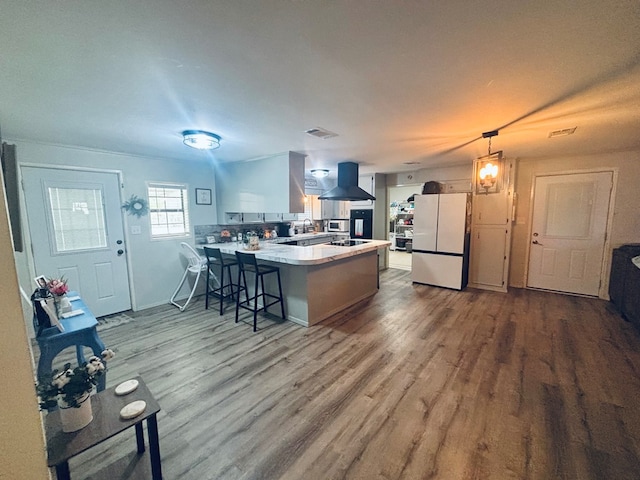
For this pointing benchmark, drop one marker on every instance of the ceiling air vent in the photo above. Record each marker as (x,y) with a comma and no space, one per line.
(320,133)
(562,133)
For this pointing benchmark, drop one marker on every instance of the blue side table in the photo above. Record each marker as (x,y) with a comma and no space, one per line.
(79,331)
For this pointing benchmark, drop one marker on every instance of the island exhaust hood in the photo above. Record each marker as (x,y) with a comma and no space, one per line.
(347,188)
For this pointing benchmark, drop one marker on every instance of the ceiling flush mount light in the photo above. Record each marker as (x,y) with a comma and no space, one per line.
(488,169)
(200,139)
(319,172)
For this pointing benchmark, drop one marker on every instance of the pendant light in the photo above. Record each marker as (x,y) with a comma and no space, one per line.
(488,169)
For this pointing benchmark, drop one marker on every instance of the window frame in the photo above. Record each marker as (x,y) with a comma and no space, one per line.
(185,210)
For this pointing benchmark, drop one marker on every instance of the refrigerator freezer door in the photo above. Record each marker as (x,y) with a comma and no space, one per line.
(438,270)
(425,222)
(452,220)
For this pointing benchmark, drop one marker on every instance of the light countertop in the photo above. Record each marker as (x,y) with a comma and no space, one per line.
(298,255)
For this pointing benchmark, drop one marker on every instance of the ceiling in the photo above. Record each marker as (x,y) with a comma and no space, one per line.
(405,84)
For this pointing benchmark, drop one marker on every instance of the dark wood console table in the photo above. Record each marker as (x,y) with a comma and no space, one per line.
(106,423)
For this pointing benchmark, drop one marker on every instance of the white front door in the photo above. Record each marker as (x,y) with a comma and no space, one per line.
(76,230)
(568,233)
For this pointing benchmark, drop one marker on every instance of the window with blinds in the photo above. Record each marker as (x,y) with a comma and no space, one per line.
(168,210)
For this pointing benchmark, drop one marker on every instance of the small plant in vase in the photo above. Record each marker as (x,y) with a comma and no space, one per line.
(59,288)
(70,390)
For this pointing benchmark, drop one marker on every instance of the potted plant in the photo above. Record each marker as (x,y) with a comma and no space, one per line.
(59,288)
(70,390)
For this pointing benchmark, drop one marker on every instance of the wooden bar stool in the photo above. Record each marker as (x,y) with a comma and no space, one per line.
(216,258)
(247,263)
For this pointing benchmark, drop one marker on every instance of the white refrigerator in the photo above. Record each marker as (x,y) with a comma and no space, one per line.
(441,235)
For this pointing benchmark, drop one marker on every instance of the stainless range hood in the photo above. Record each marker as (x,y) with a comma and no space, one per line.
(347,188)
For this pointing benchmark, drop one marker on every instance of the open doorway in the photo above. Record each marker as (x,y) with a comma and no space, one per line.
(400,230)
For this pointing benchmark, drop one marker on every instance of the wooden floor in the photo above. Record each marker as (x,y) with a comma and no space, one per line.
(416,383)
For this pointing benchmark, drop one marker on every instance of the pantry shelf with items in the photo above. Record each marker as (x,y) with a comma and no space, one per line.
(401,226)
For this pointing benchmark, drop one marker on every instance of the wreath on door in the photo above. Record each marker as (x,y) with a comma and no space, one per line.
(136,206)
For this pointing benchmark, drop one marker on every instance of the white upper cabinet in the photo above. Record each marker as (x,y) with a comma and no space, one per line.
(273,217)
(269,185)
(315,207)
(252,217)
(491,209)
(335,209)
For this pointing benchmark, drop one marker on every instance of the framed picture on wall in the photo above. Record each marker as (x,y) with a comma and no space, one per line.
(203,196)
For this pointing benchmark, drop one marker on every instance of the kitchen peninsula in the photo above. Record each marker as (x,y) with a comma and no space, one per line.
(319,280)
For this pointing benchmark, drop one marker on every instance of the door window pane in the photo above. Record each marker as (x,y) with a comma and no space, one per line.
(569,209)
(78,218)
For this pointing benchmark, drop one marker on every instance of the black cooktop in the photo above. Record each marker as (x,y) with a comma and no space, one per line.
(349,242)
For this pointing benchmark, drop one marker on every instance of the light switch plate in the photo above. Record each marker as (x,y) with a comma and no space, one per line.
(136,230)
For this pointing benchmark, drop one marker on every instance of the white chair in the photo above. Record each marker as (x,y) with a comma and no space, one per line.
(197,264)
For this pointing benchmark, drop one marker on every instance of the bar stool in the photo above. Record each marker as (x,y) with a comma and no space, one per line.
(247,263)
(216,258)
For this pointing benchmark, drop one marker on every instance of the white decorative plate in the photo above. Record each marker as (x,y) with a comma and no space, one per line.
(126,387)
(133,409)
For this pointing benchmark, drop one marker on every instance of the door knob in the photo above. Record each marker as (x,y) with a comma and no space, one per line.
(120,252)
(119,242)
(536,242)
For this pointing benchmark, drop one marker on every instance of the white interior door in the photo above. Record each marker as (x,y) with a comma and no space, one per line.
(76,230)
(568,232)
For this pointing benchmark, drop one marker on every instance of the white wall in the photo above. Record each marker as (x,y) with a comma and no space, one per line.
(156,266)
(626,213)
(22,449)
(401,194)
(437,174)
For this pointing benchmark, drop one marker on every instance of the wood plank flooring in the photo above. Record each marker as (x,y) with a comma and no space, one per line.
(416,383)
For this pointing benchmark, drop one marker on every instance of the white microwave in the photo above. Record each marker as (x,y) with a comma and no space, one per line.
(338,225)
